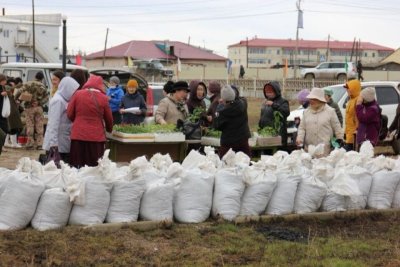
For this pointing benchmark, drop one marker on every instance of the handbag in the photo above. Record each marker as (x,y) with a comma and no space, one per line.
(6,110)
(191,130)
(51,155)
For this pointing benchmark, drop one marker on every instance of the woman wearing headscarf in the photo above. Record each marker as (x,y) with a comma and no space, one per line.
(302,98)
(353,88)
(214,95)
(274,102)
(58,130)
(91,116)
(319,124)
(368,115)
(198,91)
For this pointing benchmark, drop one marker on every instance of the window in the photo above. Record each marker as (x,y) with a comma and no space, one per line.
(373,54)
(13,73)
(257,61)
(336,65)
(278,52)
(386,95)
(32,74)
(6,33)
(256,50)
(365,54)
(324,66)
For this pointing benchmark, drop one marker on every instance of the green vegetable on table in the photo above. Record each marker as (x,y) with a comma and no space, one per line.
(272,131)
(197,114)
(213,133)
(147,128)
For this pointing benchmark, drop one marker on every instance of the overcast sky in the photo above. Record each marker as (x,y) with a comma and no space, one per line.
(216,24)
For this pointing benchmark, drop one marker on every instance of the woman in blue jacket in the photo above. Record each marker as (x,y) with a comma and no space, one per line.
(133,107)
(115,94)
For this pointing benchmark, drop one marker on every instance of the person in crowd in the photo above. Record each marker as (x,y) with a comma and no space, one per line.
(198,91)
(115,94)
(133,99)
(395,125)
(231,119)
(3,120)
(81,76)
(302,98)
(35,97)
(329,100)
(167,89)
(173,107)
(368,115)
(353,88)
(214,95)
(14,120)
(91,116)
(274,103)
(56,78)
(241,72)
(319,124)
(360,70)
(58,128)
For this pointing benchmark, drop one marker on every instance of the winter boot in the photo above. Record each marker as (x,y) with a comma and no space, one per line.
(14,142)
(7,142)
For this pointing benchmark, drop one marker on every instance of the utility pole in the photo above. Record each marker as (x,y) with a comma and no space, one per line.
(352,50)
(299,25)
(33,31)
(105,47)
(327,50)
(247,52)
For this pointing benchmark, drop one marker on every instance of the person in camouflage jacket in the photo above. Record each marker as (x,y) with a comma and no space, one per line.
(34,110)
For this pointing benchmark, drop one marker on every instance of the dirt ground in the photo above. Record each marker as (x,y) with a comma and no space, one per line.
(10,157)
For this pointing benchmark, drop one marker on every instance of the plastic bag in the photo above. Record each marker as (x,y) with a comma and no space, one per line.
(6,111)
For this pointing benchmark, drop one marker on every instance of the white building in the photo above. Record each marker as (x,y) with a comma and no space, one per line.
(16,38)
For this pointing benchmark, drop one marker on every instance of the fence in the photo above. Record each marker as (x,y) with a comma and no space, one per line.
(289,87)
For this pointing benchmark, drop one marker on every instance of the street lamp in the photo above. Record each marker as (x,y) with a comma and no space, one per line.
(64,53)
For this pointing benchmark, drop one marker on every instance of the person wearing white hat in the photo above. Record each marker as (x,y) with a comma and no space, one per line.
(319,123)
(369,117)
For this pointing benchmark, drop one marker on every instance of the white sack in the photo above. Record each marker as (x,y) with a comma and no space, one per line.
(229,188)
(53,210)
(125,201)
(309,196)
(97,201)
(396,198)
(384,184)
(282,200)
(19,196)
(156,202)
(363,179)
(193,197)
(334,202)
(260,184)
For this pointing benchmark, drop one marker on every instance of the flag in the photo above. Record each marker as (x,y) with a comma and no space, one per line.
(300,19)
(78,59)
(179,66)
(229,66)
(345,64)
(130,63)
(17,58)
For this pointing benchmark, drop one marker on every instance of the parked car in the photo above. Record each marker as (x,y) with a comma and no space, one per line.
(331,70)
(157,95)
(387,93)
(152,68)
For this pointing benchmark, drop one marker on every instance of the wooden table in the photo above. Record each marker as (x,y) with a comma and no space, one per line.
(121,151)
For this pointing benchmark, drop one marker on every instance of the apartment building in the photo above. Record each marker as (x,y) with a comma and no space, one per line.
(265,53)
(16,38)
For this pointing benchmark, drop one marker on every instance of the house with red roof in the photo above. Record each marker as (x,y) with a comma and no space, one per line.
(167,52)
(265,53)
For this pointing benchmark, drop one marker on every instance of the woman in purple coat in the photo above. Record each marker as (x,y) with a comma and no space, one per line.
(368,115)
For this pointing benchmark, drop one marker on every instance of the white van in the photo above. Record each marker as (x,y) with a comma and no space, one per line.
(27,71)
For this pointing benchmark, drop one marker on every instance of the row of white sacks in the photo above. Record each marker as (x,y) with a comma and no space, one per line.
(47,198)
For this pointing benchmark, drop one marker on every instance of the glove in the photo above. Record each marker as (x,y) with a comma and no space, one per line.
(340,142)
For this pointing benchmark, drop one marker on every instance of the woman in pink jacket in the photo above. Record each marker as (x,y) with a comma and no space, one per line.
(90,114)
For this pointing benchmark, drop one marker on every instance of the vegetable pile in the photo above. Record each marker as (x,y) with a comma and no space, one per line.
(148,128)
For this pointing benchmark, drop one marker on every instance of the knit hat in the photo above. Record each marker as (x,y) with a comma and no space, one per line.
(328,91)
(227,93)
(302,95)
(168,87)
(132,83)
(317,93)
(114,79)
(180,85)
(368,94)
(214,87)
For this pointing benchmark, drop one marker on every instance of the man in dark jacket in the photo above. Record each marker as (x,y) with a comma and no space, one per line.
(328,96)
(274,103)
(232,120)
